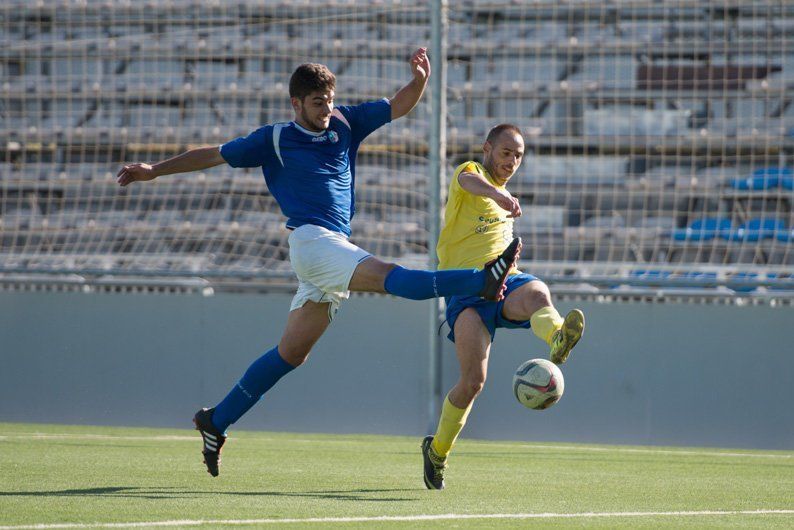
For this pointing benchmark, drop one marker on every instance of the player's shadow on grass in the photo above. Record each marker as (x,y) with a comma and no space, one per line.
(339,495)
(111,491)
(356,495)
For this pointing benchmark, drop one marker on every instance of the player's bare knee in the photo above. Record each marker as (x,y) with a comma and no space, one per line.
(385,269)
(382,272)
(370,275)
(472,386)
(539,295)
(294,355)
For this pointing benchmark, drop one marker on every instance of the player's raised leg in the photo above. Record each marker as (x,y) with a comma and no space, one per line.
(374,275)
(532,301)
(472,345)
(304,327)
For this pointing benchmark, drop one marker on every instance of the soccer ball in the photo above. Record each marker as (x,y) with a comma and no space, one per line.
(538,384)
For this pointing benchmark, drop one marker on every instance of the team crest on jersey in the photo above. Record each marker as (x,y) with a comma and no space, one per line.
(330,136)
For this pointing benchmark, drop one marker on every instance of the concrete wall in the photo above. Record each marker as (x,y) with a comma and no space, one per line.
(656,374)
(647,374)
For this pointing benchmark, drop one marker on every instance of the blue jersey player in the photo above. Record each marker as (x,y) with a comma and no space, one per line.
(309,165)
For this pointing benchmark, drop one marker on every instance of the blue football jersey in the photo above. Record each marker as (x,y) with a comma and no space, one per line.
(311,174)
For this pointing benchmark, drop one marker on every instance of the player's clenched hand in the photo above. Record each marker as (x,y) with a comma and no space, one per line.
(135,173)
(420,64)
(507,202)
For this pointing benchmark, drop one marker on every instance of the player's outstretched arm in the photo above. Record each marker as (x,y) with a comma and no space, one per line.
(192,160)
(408,96)
(478,185)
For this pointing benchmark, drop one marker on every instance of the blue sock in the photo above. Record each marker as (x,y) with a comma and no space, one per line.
(422,285)
(258,379)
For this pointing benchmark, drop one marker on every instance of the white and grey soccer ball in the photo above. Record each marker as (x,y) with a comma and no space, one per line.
(538,384)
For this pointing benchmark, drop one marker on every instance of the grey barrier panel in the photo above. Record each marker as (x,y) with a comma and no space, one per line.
(154,359)
(665,374)
(680,374)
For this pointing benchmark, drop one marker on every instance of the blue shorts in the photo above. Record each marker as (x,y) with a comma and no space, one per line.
(490,312)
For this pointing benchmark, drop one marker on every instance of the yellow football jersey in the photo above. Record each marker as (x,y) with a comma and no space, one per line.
(475,229)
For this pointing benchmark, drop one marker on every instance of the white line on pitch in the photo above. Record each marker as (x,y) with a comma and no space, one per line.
(640,450)
(399,518)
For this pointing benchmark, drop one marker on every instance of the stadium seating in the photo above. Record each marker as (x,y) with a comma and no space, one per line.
(756,230)
(619,167)
(704,229)
(763,179)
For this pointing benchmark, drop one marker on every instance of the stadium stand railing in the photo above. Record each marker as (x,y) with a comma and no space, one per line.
(645,122)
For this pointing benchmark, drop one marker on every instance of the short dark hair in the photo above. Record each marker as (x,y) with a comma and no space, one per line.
(495,132)
(311,77)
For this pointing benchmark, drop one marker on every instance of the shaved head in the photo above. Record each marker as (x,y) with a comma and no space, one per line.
(500,129)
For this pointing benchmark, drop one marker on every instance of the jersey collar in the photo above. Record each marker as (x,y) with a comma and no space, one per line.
(307,131)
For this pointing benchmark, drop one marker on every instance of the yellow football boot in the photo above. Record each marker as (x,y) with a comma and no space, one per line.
(564,339)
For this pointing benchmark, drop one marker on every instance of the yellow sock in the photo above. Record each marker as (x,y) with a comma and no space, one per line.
(449,426)
(545,322)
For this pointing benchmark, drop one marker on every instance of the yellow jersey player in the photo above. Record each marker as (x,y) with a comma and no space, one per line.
(478,221)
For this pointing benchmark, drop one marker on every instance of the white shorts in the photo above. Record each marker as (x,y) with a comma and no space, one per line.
(324,262)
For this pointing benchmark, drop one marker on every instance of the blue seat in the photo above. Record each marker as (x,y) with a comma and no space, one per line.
(773,281)
(698,275)
(643,274)
(785,236)
(757,229)
(744,277)
(763,179)
(703,229)
(787,182)
(780,282)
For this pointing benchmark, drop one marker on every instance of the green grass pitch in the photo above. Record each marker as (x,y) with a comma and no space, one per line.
(96,477)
